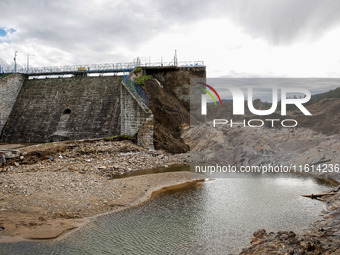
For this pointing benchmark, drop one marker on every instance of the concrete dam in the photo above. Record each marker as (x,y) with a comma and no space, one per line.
(45,109)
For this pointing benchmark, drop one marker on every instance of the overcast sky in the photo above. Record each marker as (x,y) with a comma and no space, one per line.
(235,38)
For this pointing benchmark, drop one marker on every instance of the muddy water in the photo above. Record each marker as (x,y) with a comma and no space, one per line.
(218,217)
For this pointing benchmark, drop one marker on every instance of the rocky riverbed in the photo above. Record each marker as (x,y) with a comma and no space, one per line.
(52,188)
(265,146)
(99,157)
(322,238)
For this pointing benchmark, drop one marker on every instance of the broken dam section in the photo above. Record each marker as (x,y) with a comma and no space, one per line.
(40,110)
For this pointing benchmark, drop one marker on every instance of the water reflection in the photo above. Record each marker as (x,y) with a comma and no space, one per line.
(218,217)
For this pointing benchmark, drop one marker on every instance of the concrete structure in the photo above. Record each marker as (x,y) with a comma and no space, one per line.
(81,107)
(145,134)
(9,90)
(59,109)
(133,115)
(63,109)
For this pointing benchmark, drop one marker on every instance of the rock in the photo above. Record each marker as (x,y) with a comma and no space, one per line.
(262,234)
(16,164)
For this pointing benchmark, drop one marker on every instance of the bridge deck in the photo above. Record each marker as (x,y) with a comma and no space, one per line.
(78,72)
(103,68)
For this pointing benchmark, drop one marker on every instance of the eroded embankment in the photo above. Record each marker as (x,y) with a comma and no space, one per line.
(264,146)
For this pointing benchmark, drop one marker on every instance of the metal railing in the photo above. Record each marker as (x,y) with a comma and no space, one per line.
(101,68)
(93,68)
(137,91)
(179,64)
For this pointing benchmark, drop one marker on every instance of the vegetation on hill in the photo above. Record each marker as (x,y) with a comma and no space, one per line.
(137,70)
(142,79)
(334,93)
(5,75)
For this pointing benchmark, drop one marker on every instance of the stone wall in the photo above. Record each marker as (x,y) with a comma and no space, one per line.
(64,109)
(132,114)
(9,90)
(145,134)
(81,107)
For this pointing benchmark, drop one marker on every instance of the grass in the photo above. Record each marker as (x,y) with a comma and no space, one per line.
(5,75)
(137,70)
(142,79)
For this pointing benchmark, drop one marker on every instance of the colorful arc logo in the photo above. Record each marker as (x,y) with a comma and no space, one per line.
(204,97)
(209,93)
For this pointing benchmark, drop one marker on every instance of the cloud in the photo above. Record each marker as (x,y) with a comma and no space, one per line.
(99,31)
(82,29)
(279,22)
(74,24)
(285,21)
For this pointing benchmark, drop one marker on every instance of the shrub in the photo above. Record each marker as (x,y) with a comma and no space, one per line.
(142,79)
(137,70)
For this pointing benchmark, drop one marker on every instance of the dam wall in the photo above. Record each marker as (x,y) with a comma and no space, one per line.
(9,90)
(54,109)
(39,110)
(132,115)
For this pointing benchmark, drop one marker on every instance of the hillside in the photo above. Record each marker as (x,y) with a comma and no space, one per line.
(325,110)
(335,93)
(325,116)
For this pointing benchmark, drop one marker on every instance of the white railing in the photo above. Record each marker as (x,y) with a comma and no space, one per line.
(114,67)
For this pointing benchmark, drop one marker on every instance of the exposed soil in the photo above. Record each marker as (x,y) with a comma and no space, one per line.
(325,116)
(169,114)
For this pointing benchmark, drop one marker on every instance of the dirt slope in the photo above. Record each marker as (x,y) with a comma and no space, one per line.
(169,114)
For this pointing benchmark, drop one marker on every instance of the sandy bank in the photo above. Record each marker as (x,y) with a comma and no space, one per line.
(53,188)
(50,215)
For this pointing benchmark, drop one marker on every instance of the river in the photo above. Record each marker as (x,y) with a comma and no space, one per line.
(217,217)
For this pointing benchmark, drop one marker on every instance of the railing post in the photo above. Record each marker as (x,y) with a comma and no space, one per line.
(137,91)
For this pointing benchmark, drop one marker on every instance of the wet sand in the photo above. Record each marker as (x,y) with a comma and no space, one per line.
(55,188)
(35,223)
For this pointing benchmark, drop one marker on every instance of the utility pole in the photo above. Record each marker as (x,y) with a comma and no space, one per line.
(175,59)
(15,61)
(28,61)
